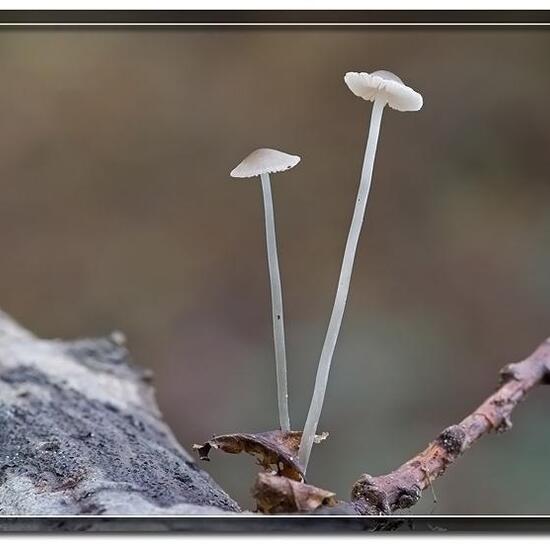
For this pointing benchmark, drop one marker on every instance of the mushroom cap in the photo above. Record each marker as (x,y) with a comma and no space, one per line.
(264,161)
(385,85)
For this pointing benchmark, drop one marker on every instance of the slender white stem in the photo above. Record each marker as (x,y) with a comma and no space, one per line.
(327,352)
(276,305)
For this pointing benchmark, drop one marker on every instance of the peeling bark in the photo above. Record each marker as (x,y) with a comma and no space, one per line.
(80,433)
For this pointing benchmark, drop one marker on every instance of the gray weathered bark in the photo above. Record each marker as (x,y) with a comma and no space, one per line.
(80,433)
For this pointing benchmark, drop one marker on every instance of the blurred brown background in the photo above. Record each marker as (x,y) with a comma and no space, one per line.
(117,211)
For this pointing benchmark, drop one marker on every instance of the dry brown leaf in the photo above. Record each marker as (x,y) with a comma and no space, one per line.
(275,450)
(279,495)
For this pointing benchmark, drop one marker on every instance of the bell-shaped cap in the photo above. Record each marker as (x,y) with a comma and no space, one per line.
(264,161)
(384,85)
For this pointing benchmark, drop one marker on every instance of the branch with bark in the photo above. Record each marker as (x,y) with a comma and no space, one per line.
(403,487)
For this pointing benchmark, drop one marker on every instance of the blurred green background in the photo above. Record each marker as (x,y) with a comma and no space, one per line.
(117,211)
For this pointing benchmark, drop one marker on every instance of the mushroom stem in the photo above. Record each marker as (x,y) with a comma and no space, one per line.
(276,305)
(335,322)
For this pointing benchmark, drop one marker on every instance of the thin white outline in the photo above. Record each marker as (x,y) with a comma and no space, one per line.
(280,24)
(237,516)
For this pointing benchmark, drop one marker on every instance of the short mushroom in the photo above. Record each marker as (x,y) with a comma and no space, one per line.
(263,162)
(382,88)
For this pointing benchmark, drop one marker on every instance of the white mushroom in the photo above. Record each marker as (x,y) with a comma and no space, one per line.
(263,162)
(382,88)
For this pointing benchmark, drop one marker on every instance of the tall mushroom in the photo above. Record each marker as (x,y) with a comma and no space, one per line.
(263,162)
(382,88)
